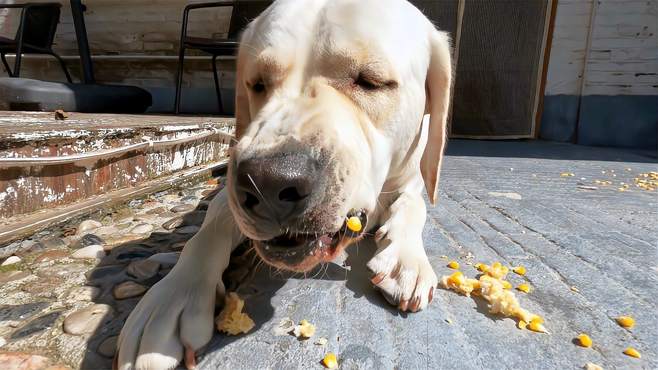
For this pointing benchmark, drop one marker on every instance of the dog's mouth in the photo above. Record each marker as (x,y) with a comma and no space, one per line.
(301,251)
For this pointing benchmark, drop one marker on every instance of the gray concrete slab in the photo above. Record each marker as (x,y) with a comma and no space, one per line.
(604,242)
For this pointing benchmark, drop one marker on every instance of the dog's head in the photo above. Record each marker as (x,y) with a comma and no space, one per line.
(329,102)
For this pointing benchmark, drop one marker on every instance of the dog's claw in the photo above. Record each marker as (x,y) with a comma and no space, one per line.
(431,295)
(415,304)
(115,361)
(190,358)
(403,305)
(378,278)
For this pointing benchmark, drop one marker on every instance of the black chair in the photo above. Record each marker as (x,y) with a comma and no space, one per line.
(242,13)
(35,34)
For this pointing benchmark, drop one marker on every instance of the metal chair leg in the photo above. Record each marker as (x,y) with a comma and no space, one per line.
(4,61)
(219,95)
(179,78)
(61,63)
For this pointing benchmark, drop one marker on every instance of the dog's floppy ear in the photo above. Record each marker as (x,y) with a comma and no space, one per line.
(438,86)
(242,114)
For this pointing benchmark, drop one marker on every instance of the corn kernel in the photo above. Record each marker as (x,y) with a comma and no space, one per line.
(506,284)
(354,224)
(456,278)
(525,288)
(632,352)
(536,324)
(482,267)
(453,265)
(626,321)
(520,270)
(329,361)
(522,324)
(304,330)
(584,340)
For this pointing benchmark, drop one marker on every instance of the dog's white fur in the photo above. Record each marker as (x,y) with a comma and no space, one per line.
(307,54)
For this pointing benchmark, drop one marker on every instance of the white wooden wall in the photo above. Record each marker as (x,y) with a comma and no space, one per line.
(619,58)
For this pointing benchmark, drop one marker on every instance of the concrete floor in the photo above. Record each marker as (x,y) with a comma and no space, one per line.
(500,201)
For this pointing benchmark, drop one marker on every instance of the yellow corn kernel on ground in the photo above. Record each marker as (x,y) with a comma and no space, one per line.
(354,224)
(630,351)
(522,324)
(520,270)
(592,366)
(626,321)
(482,267)
(330,361)
(304,330)
(453,265)
(566,174)
(537,324)
(584,340)
(525,288)
(506,284)
(232,320)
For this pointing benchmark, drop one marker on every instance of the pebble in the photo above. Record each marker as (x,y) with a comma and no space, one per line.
(89,239)
(108,346)
(173,223)
(189,198)
(11,260)
(182,208)
(128,289)
(52,243)
(88,225)
(86,320)
(165,259)
(3,341)
(188,229)
(156,210)
(83,294)
(142,229)
(92,251)
(143,269)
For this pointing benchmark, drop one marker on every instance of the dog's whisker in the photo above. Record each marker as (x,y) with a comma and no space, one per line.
(265,200)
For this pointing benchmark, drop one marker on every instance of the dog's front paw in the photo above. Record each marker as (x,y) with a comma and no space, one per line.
(172,321)
(404,276)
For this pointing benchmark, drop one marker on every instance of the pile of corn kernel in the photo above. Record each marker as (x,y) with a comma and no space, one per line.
(493,287)
(647,181)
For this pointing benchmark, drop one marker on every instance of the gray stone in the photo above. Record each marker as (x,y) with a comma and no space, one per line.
(108,346)
(142,229)
(156,210)
(88,225)
(144,269)
(182,208)
(87,320)
(10,261)
(189,199)
(192,229)
(89,252)
(128,289)
(89,239)
(165,259)
(173,223)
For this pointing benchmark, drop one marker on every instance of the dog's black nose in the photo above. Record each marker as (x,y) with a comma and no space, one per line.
(276,187)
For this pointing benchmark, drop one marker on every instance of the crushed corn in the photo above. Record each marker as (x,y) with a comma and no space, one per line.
(626,321)
(232,320)
(354,224)
(525,288)
(304,330)
(492,287)
(329,361)
(584,340)
(506,284)
(520,270)
(632,352)
(453,265)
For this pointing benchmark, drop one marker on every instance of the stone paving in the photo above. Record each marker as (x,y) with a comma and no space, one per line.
(589,247)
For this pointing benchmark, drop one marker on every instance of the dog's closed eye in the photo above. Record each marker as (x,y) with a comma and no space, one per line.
(369,81)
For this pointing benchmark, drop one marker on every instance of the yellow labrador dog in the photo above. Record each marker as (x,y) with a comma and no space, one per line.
(332,103)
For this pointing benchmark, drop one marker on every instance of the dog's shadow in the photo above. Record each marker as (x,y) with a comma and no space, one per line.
(253,280)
